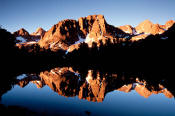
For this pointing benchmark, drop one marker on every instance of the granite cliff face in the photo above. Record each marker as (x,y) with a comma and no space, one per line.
(60,35)
(168,24)
(69,33)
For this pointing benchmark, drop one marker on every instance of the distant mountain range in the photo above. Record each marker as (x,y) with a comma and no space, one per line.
(69,34)
(91,41)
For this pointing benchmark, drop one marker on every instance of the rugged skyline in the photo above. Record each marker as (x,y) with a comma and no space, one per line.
(69,34)
(32,14)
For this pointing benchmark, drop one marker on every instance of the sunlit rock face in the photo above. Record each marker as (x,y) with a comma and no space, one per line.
(61,35)
(85,24)
(96,30)
(28,41)
(39,32)
(101,31)
(144,27)
(69,34)
(156,29)
(23,36)
(66,33)
(147,27)
(22,32)
(169,23)
(128,29)
(138,37)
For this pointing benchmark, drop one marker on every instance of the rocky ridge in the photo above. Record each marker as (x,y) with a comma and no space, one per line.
(23,36)
(68,34)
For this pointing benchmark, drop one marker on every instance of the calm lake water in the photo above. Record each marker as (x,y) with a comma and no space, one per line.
(63,91)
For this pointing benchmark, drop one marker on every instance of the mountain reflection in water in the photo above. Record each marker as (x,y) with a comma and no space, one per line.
(94,85)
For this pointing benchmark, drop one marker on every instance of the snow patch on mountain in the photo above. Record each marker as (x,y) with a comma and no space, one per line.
(164,38)
(89,76)
(134,32)
(81,40)
(21,39)
(22,76)
(67,51)
(32,42)
(88,39)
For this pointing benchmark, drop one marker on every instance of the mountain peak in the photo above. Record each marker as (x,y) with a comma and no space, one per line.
(145,27)
(21,32)
(127,29)
(93,29)
(39,32)
(22,29)
(39,29)
(169,23)
(147,21)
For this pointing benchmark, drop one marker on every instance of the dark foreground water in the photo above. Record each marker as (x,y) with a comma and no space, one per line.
(63,91)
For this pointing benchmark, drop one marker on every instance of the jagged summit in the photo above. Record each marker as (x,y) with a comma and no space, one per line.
(144,27)
(21,32)
(94,28)
(68,34)
(23,36)
(91,28)
(169,23)
(128,29)
(147,27)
